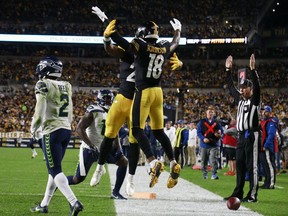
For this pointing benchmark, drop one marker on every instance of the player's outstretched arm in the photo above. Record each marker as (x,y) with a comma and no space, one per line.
(177,26)
(176,63)
(84,123)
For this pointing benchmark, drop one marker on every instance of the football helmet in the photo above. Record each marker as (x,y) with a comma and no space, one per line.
(49,67)
(148,30)
(105,97)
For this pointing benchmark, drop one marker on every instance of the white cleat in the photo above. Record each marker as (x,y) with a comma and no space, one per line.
(34,154)
(130,187)
(97,177)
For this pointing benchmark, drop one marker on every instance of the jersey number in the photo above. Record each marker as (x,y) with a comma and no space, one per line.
(131,77)
(155,66)
(62,113)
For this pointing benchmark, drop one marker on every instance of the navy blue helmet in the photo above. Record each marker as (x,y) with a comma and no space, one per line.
(49,67)
(105,97)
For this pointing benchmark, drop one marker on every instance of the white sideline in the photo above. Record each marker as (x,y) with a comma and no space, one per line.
(185,199)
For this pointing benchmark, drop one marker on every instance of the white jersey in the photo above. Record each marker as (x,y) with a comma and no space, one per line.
(54,107)
(171,133)
(192,137)
(96,130)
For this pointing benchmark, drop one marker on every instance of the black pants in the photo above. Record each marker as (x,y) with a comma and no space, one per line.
(269,168)
(247,154)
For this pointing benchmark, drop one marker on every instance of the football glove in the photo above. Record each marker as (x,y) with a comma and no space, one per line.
(99,13)
(175,62)
(110,29)
(176,24)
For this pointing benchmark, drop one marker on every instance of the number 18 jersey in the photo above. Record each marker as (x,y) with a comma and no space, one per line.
(149,62)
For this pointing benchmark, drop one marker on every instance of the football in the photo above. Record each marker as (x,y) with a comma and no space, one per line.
(233,203)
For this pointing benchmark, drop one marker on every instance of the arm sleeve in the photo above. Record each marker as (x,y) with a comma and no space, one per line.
(199,131)
(232,89)
(118,39)
(185,134)
(256,88)
(40,109)
(271,132)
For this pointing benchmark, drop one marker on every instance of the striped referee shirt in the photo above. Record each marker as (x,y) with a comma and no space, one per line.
(247,112)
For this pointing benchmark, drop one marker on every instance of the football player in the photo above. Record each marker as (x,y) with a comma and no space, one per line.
(120,110)
(91,129)
(53,112)
(150,56)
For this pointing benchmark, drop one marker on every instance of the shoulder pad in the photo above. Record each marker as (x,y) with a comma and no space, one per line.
(163,42)
(41,87)
(94,108)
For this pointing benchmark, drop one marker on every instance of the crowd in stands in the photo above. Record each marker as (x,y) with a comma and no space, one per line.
(202,19)
(204,74)
(17,106)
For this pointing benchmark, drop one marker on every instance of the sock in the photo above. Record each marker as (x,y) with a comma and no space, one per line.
(143,141)
(50,189)
(105,148)
(165,143)
(172,163)
(120,176)
(152,163)
(99,167)
(133,157)
(70,180)
(62,183)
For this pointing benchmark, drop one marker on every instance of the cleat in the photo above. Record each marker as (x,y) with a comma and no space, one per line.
(130,187)
(74,210)
(174,174)
(214,177)
(230,173)
(39,209)
(117,196)
(97,177)
(155,173)
(34,154)
(249,200)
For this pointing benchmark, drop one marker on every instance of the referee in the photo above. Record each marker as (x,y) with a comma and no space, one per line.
(248,98)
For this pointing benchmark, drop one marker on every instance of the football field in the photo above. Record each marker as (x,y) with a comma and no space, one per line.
(23,182)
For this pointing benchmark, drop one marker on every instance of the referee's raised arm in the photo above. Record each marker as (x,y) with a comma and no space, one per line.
(232,89)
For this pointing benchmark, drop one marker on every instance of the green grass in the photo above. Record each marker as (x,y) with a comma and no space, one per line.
(23,182)
(270,202)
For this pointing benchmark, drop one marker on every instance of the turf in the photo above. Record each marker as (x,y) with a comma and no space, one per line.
(23,182)
(270,202)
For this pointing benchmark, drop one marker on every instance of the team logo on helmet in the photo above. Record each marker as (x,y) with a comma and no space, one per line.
(148,30)
(105,97)
(49,67)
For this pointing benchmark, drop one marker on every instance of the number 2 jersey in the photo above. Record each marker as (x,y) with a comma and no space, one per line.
(54,107)
(149,62)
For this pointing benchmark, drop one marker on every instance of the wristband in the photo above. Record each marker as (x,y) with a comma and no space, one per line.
(107,41)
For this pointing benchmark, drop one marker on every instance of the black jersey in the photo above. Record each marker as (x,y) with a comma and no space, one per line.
(149,62)
(127,76)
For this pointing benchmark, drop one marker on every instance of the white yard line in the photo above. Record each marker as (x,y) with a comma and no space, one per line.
(183,200)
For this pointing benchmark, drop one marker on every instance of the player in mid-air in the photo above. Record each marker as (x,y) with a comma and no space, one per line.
(119,112)
(53,112)
(150,56)
(91,129)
